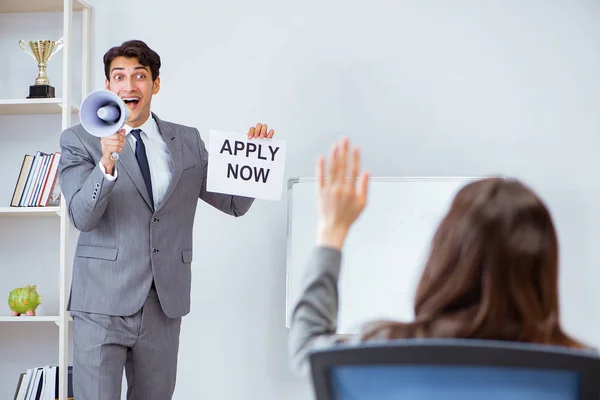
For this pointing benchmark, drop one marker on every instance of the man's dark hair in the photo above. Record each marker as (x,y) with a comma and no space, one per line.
(134,49)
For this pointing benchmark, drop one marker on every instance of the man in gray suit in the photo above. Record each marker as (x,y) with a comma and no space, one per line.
(131,273)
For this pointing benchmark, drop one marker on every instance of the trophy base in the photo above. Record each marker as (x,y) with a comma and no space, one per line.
(41,92)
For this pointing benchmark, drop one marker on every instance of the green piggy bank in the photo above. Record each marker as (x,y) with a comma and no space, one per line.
(24,301)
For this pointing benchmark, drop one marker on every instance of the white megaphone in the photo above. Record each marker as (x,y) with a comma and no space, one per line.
(102,113)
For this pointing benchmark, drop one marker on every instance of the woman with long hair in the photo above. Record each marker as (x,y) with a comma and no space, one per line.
(492,270)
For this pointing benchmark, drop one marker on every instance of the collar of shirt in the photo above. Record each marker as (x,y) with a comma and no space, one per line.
(150,128)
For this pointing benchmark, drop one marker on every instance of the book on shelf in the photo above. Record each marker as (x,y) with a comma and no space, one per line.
(41,383)
(37,183)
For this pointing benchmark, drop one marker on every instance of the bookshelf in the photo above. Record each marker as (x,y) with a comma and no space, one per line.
(64,106)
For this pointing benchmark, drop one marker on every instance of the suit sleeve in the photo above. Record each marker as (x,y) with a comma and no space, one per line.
(83,184)
(313,321)
(229,204)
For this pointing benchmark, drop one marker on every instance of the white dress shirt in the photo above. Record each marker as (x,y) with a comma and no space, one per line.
(159,159)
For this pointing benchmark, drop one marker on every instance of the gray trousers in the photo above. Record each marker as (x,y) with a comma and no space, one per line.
(144,344)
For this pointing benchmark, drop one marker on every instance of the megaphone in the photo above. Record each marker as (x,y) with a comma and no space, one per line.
(102,113)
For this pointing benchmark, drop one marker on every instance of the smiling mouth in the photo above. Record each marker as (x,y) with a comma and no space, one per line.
(132,102)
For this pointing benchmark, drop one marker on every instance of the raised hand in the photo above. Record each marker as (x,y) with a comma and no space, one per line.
(341,198)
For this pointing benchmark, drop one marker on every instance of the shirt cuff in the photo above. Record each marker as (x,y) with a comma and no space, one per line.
(110,178)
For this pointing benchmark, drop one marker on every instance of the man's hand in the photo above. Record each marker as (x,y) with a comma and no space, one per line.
(341,198)
(260,131)
(111,144)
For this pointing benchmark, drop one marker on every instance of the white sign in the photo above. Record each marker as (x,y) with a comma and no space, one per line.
(245,167)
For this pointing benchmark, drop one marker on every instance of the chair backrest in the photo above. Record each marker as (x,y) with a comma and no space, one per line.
(452,369)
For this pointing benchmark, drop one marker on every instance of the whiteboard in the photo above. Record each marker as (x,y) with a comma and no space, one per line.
(385,250)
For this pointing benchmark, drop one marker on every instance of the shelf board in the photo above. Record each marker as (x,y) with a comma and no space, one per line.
(25,318)
(28,319)
(29,211)
(32,106)
(28,6)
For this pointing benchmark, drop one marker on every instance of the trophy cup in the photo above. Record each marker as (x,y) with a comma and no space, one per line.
(41,51)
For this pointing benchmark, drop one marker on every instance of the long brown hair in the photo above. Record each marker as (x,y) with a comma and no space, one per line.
(492,271)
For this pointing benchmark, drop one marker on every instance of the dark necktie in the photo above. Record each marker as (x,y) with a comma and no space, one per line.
(142,158)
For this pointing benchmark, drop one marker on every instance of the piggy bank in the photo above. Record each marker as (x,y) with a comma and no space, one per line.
(24,300)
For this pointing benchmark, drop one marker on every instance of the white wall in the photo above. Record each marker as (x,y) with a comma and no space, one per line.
(425,88)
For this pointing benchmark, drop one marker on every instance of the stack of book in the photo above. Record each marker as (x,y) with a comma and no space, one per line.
(41,383)
(37,183)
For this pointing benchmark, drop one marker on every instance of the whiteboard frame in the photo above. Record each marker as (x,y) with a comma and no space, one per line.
(294,180)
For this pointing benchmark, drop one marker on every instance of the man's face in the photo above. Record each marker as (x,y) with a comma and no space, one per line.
(132,82)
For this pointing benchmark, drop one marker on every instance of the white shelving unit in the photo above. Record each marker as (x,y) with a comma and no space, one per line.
(65,107)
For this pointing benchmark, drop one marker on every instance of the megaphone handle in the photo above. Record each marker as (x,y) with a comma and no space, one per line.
(115,156)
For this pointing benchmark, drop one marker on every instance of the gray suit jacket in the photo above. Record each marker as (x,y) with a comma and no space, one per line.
(124,243)
(313,322)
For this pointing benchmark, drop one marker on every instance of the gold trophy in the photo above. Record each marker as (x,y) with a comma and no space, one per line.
(41,51)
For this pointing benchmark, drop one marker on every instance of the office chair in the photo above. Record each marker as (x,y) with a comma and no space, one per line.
(454,369)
